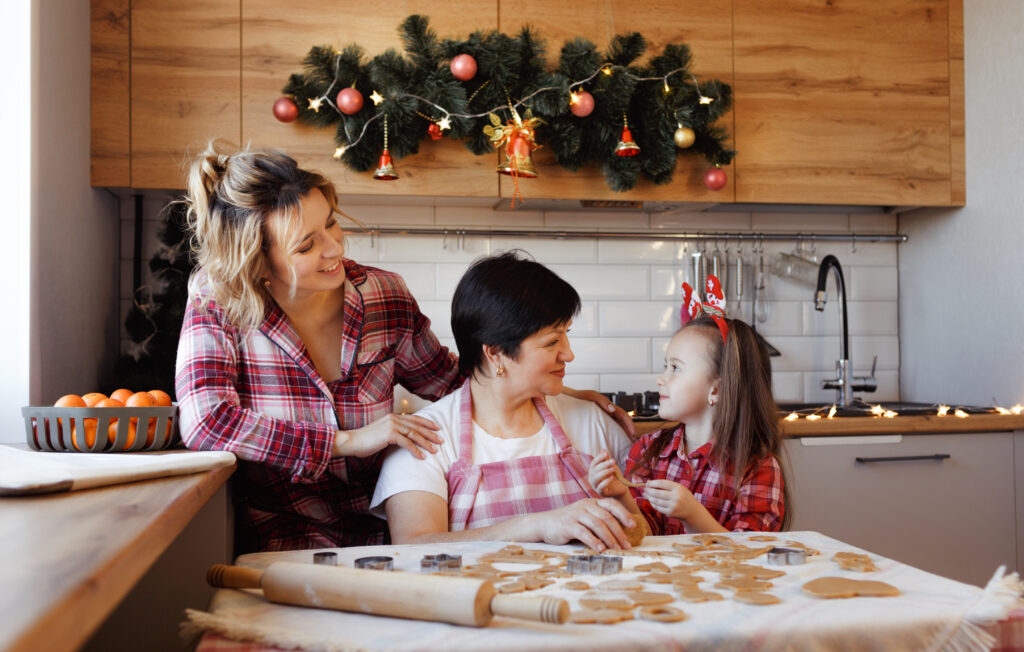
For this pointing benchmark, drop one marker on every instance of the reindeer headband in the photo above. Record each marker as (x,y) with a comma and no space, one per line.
(714,307)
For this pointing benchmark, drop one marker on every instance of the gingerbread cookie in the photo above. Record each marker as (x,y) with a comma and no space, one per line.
(576,585)
(854,561)
(635,534)
(512,587)
(693,593)
(649,598)
(620,585)
(599,616)
(661,614)
(843,587)
(762,537)
(596,601)
(755,597)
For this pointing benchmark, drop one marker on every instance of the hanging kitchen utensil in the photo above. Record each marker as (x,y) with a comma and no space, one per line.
(719,266)
(764,310)
(738,278)
(698,263)
(760,295)
(687,277)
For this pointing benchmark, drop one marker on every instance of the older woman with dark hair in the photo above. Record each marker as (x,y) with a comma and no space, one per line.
(513,463)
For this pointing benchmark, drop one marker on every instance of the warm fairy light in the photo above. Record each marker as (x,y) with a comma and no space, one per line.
(340,151)
(943,410)
(607,70)
(813,417)
(792,416)
(667,89)
(889,414)
(877,410)
(574,98)
(376,97)
(631,413)
(960,413)
(1002,410)
(832,411)
(704,99)
(314,104)
(1017,409)
(445,123)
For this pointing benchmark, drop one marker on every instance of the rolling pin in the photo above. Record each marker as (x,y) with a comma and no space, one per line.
(457,600)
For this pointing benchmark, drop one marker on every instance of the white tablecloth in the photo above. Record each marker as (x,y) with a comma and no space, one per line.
(931,613)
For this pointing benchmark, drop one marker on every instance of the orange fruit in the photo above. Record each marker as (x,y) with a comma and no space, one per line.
(162,398)
(121,394)
(92,398)
(143,399)
(112,428)
(68,401)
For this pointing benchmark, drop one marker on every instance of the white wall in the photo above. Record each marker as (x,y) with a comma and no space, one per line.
(74,227)
(962,272)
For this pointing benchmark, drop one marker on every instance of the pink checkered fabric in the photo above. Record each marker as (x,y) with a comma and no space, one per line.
(485,494)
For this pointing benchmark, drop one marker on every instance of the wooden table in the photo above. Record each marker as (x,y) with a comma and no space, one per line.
(70,558)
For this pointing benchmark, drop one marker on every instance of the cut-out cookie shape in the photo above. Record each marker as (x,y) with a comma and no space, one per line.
(854,561)
(844,587)
(661,614)
(512,587)
(652,567)
(599,616)
(756,597)
(576,585)
(620,585)
(692,593)
(598,602)
(649,597)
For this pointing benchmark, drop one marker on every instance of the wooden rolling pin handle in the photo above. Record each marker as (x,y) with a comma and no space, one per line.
(233,577)
(545,608)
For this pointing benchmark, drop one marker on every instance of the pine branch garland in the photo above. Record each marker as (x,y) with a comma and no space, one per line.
(418,89)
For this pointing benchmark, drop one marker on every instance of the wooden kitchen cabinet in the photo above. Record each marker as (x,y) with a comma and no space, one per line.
(705,26)
(954,517)
(857,102)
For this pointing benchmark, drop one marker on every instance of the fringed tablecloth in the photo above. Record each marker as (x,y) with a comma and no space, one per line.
(931,612)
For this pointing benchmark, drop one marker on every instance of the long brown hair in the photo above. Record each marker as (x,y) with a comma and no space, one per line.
(745,424)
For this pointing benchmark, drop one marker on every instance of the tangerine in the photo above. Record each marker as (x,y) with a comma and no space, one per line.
(121,394)
(92,398)
(162,398)
(143,399)
(68,401)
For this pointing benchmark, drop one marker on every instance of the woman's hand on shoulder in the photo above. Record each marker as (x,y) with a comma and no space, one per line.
(604,476)
(619,415)
(415,434)
(597,523)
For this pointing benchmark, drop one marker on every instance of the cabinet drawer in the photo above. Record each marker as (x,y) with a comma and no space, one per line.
(943,503)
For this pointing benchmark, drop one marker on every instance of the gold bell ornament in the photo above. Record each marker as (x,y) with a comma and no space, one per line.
(385,168)
(627,146)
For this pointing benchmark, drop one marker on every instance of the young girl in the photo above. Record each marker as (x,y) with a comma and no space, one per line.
(720,468)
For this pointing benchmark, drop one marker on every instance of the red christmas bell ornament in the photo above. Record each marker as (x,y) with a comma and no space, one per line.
(463,67)
(434,131)
(385,168)
(515,156)
(627,146)
(581,103)
(350,101)
(715,178)
(285,109)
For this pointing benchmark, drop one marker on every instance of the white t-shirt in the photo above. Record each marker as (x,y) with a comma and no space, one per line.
(588,428)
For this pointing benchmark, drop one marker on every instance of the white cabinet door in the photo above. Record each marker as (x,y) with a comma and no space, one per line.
(942,503)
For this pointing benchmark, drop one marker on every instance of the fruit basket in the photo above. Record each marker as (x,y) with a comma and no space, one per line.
(100,429)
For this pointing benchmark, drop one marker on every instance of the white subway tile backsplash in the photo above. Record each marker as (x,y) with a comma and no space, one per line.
(863,350)
(606,281)
(873,284)
(481,217)
(440,315)
(666,281)
(874,223)
(635,251)
(586,324)
(629,382)
(448,277)
(864,318)
(582,381)
(390,215)
(800,222)
(804,353)
(888,388)
(588,221)
(638,318)
(788,386)
(437,249)
(659,345)
(692,221)
(549,252)
(418,277)
(611,355)
(363,248)
(784,318)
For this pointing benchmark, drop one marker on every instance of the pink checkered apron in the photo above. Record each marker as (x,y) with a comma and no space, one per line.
(485,494)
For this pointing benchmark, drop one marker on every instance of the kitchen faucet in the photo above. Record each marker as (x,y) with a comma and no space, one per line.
(844,383)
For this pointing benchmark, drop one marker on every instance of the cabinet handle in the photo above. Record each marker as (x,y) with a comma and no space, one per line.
(938,457)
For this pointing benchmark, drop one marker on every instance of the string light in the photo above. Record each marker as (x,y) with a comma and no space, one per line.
(1002,410)
(792,416)
(1017,409)
(943,410)
(444,123)
(376,97)
(889,414)
(877,410)
(960,413)
(340,151)
(832,412)
(813,417)
(314,104)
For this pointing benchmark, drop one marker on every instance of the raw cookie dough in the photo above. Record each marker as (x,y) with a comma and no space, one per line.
(693,593)
(635,534)
(843,587)
(576,585)
(512,587)
(649,597)
(854,561)
(600,616)
(598,602)
(755,597)
(620,585)
(661,614)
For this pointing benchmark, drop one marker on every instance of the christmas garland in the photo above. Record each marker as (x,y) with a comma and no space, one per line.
(494,91)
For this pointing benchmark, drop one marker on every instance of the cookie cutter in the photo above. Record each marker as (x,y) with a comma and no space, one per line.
(441,562)
(593,564)
(375,563)
(786,556)
(325,558)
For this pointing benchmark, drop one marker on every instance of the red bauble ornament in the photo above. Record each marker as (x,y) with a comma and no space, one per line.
(463,67)
(285,109)
(350,101)
(715,178)
(435,131)
(583,104)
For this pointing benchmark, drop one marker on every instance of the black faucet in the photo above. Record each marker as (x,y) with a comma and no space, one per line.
(844,383)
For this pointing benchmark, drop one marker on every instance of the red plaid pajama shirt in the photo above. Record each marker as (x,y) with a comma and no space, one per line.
(758,506)
(259,395)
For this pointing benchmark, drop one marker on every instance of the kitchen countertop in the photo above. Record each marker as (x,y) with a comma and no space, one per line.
(882,426)
(70,558)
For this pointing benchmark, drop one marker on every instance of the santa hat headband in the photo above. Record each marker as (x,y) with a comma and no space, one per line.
(714,307)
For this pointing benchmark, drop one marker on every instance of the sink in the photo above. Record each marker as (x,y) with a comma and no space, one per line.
(862,409)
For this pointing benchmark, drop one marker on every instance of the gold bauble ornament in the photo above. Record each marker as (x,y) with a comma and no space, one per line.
(684,137)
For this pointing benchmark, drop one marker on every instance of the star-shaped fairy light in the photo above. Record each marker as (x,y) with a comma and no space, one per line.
(314,104)
(376,97)
(704,99)
(340,151)
(444,123)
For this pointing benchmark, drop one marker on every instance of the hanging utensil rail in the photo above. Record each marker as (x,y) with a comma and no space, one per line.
(637,235)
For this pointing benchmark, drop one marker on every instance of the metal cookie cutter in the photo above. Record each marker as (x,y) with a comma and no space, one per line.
(593,564)
(325,558)
(375,563)
(786,556)
(442,562)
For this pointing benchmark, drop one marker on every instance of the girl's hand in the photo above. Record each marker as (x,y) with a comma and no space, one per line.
(596,523)
(604,476)
(415,434)
(619,415)
(670,498)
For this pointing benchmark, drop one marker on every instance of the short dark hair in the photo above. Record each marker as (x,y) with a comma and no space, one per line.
(503,299)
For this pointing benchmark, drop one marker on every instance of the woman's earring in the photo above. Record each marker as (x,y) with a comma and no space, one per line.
(266,282)
(500,371)
(710,402)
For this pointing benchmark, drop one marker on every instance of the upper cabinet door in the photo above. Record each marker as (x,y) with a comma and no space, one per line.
(705,26)
(110,162)
(849,101)
(185,86)
(275,40)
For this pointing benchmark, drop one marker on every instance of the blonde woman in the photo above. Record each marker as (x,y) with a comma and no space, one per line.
(290,352)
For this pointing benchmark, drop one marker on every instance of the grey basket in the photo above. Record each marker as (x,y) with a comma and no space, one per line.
(50,428)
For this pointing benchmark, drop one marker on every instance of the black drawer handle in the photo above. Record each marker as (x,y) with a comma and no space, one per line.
(938,457)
